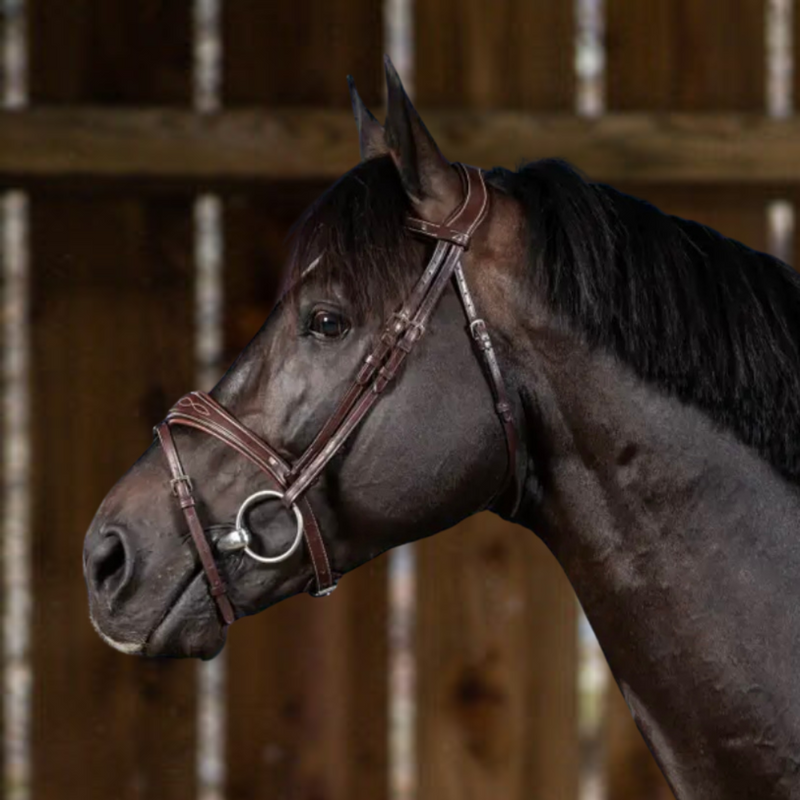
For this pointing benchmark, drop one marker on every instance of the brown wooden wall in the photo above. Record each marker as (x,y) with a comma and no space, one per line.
(111,294)
(112,283)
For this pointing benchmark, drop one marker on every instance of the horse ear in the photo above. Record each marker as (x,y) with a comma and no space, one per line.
(370,132)
(431,182)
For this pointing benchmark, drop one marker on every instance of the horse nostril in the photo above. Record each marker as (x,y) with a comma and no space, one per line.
(107,563)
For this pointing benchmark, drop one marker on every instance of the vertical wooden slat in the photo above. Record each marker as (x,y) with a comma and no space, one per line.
(496,621)
(111,345)
(509,54)
(496,666)
(683,56)
(298,54)
(307,691)
(691,56)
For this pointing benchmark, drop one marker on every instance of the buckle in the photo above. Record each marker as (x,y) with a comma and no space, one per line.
(182,478)
(402,320)
(477,328)
(324,592)
(480,334)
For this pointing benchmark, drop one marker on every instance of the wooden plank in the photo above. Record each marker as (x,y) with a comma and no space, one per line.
(496,641)
(111,346)
(667,56)
(111,53)
(687,55)
(254,248)
(511,54)
(84,145)
(307,696)
(308,678)
(496,618)
(688,63)
(299,53)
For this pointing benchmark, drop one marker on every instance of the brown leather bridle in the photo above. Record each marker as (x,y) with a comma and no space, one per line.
(403,330)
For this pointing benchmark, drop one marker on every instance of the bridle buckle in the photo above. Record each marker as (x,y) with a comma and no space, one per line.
(181,478)
(324,592)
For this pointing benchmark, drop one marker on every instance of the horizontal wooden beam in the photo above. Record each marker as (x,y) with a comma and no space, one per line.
(75,145)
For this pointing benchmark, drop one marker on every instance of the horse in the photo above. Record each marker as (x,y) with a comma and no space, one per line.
(622,382)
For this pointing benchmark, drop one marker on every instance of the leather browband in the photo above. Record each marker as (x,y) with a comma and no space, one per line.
(200,411)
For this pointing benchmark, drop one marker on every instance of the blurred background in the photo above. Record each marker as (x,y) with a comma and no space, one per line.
(152,157)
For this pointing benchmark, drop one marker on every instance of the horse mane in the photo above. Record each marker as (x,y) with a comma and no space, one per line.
(698,315)
(701,316)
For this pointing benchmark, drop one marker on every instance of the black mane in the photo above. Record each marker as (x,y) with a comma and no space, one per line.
(699,315)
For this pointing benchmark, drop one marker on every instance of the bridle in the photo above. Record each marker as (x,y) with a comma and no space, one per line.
(402,331)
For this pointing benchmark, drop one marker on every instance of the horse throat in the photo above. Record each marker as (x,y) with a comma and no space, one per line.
(682,545)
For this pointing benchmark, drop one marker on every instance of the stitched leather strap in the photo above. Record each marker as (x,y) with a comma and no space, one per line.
(386,343)
(182,489)
(404,330)
(477,327)
(468,215)
(200,411)
(483,343)
(383,374)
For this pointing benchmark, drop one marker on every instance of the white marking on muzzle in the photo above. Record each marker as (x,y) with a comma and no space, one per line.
(129,648)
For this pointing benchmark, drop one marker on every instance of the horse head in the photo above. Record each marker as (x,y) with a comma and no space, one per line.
(356,420)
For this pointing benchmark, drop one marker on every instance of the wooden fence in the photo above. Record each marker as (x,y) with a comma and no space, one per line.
(112,156)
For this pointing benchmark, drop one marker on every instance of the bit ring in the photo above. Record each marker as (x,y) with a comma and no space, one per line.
(242,534)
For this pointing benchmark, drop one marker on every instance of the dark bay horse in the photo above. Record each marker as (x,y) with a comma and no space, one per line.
(649,370)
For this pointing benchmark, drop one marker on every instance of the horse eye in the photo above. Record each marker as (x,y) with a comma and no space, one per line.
(328,324)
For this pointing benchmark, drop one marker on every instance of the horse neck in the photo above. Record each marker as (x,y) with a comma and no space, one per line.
(682,546)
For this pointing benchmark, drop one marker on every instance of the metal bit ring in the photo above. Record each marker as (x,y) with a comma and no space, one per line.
(240,538)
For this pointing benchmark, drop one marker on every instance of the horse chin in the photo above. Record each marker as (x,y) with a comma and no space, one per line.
(191,628)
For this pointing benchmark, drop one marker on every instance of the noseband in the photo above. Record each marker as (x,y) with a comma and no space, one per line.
(402,331)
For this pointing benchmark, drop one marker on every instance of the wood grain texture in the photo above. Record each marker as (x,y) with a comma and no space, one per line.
(696,57)
(307,696)
(496,637)
(684,56)
(687,55)
(111,346)
(299,53)
(308,679)
(496,642)
(111,53)
(152,148)
(509,54)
